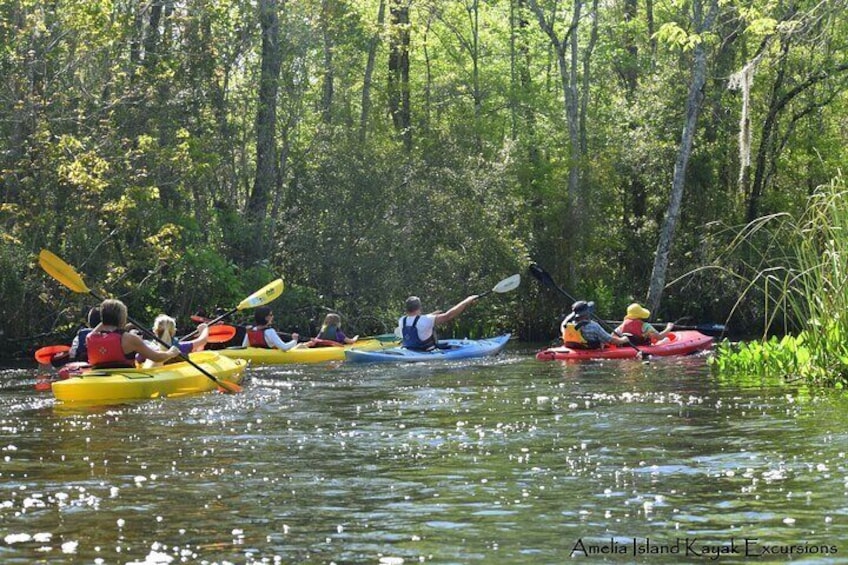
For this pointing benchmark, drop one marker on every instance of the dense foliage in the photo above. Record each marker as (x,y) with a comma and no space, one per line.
(803,280)
(180,153)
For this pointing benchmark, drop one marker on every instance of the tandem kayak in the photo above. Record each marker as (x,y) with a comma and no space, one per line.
(676,343)
(175,379)
(449,350)
(303,354)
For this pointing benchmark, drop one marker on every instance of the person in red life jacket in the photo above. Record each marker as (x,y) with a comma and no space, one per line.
(579,331)
(165,328)
(110,345)
(331,333)
(418,331)
(635,326)
(262,333)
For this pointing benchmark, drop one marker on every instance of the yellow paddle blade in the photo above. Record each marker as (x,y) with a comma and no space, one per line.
(264,295)
(61,271)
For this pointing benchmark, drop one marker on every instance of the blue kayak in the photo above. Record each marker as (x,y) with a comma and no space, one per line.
(449,350)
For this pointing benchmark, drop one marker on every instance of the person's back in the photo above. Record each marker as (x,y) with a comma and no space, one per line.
(418,331)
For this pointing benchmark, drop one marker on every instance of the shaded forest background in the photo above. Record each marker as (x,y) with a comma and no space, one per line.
(181,154)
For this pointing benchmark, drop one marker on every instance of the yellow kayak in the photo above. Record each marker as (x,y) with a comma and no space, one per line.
(303,354)
(175,379)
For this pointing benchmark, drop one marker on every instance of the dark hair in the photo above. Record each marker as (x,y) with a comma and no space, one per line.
(413,303)
(93,317)
(113,313)
(260,315)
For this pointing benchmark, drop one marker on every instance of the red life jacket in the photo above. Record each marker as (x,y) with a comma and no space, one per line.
(635,329)
(105,350)
(632,327)
(256,338)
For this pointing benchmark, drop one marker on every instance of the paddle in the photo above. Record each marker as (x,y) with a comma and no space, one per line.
(44,355)
(506,285)
(66,275)
(706,329)
(221,333)
(264,295)
(545,278)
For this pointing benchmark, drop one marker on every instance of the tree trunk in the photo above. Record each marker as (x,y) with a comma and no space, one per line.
(327,96)
(399,102)
(369,72)
(693,107)
(267,172)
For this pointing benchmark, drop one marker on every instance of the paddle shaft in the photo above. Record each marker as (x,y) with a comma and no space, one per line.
(703,328)
(153,336)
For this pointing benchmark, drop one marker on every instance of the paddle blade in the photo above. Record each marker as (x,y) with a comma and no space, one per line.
(221,333)
(45,354)
(61,271)
(508,284)
(229,387)
(263,296)
(541,275)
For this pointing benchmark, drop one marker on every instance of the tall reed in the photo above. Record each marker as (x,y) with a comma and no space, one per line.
(805,290)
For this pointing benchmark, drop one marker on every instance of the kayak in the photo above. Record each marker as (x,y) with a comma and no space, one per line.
(676,343)
(449,350)
(303,354)
(175,379)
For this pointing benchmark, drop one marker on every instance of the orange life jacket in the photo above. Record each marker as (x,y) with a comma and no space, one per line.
(572,336)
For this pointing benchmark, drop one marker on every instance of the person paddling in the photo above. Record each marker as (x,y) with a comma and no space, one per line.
(579,331)
(418,330)
(262,333)
(110,346)
(636,326)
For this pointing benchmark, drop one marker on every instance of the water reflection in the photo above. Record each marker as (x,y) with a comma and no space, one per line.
(507,460)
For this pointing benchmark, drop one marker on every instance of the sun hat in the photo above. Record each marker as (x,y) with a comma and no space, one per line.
(636,312)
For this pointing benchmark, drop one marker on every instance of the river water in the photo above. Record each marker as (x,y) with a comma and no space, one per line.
(503,460)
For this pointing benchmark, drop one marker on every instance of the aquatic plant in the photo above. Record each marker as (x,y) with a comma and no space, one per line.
(804,284)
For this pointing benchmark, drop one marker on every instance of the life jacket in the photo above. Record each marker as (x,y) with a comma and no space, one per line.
(329,333)
(256,337)
(572,336)
(411,339)
(633,329)
(105,350)
(82,346)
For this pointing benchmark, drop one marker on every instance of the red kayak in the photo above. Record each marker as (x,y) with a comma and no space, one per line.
(676,343)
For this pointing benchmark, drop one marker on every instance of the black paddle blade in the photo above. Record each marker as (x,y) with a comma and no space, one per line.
(541,275)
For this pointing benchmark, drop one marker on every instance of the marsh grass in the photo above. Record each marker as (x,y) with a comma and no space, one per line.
(803,278)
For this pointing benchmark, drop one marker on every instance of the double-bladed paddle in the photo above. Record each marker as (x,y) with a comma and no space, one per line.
(66,275)
(545,278)
(264,295)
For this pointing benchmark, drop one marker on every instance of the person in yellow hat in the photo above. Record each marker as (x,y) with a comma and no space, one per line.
(635,326)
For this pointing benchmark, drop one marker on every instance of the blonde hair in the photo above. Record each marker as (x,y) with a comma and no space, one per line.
(165,328)
(332,320)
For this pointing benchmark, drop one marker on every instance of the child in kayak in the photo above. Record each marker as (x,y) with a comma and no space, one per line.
(636,327)
(165,328)
(262,333)
(331,331)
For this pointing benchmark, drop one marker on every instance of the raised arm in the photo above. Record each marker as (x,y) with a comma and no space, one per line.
(445,317)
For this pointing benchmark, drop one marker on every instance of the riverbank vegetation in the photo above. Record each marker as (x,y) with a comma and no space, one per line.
(181,154)
(802,281)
